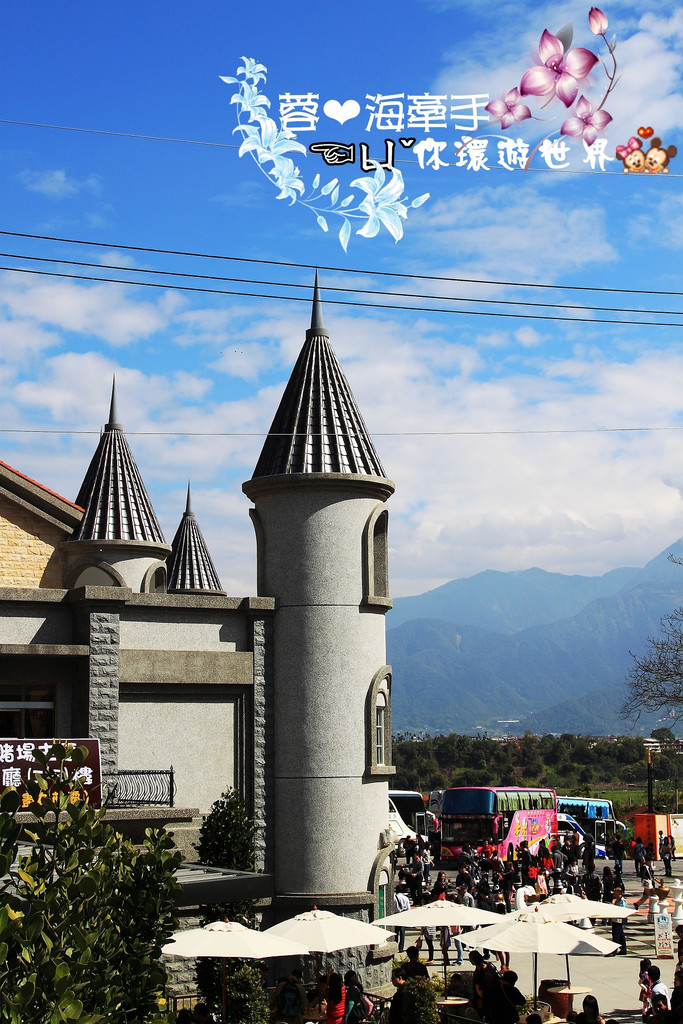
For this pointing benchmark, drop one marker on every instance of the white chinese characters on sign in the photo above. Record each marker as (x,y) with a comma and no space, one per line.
(19,766)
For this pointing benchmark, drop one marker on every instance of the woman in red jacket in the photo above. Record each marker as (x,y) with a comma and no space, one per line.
(336,999)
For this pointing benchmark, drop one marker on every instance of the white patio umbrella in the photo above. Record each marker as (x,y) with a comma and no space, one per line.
(229,939)
(536,932)
(324,932)
(441,914)
(567,906)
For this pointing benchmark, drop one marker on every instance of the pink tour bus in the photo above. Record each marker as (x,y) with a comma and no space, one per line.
(502,816)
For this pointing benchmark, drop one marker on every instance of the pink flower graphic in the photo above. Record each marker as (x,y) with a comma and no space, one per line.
(587,123)
(597,21)
(508,110)
(558,73)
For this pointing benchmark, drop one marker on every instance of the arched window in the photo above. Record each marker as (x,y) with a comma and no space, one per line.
(376,559)
(378,724)
(154,580)
(95,576)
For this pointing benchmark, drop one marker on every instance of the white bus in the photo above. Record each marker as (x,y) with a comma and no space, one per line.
(408,816)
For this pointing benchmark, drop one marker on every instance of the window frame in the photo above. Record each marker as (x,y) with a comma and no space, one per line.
(378,698)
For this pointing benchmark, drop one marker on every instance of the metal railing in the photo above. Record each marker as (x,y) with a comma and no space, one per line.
(132,787)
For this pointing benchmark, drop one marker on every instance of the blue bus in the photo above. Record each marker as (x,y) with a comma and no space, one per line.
(595,816)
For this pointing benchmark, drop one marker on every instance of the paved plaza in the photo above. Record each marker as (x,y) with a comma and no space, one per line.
(613,980)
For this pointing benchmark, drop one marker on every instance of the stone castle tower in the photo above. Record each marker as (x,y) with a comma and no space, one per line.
(320,518)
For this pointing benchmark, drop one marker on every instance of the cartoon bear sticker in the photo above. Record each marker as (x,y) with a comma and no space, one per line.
(657,157)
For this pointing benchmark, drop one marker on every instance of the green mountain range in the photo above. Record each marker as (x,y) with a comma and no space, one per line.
(538,650)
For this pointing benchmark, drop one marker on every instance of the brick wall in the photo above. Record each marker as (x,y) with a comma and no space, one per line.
(27,548)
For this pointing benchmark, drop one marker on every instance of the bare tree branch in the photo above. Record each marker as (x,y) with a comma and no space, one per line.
(655,682)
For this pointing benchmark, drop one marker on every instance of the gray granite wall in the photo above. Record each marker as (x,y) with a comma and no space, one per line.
(103,681)
(263,728)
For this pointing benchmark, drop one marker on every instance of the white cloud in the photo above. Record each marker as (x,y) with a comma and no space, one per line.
(482,431)
(109,311)
(57,184)
(498,228)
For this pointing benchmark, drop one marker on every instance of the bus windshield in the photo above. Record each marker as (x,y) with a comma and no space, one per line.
(409,805)
(475,831)
(468,801)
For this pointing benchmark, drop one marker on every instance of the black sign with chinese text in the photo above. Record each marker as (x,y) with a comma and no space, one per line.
(18,765)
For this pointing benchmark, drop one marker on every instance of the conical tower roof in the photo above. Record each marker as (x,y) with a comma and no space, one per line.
(189,564)
(113,495)
(318,427)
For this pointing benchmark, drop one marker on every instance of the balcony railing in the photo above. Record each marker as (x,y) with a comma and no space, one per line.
(130,787)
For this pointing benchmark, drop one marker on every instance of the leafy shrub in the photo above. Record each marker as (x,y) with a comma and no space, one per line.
(85,913)
(226,840)
(421,998)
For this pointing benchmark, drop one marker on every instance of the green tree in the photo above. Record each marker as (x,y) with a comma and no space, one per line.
(226,840)
(663,735)
(85,913)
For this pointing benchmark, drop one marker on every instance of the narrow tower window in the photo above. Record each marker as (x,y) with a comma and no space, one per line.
(380,711)
(376,559)
(378,724)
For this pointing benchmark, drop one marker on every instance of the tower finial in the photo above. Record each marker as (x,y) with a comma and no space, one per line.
(188,504)
(113,423)
(317,311)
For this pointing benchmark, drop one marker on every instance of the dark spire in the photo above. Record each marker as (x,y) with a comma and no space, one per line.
(317,310)
(113,495)
(189,565)
(113,423)
(318,427)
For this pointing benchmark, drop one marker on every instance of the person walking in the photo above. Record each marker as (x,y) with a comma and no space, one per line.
(618,854)
(638,856)
(401,904)
(618,934)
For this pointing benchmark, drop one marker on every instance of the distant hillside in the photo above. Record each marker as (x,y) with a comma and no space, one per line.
(565,674)
(509,601)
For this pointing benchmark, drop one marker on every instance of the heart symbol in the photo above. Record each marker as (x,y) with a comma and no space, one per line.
(646,133)
(341,111)
(407,143)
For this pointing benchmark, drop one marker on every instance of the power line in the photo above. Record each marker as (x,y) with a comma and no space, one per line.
(338,270)
(332,288)
(375,433)
(345,302)
(119,135)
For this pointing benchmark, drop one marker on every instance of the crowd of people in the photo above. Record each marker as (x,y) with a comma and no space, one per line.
(486,881)
(483,880)
(344,999)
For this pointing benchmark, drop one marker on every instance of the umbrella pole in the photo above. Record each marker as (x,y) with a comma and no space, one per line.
(225,997)
(318,985)
(569,977)
(535,981)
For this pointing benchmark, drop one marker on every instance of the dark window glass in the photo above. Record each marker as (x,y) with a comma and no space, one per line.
(468,801)
(27,712)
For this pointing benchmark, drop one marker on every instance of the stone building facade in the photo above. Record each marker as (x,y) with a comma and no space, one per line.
(108,631)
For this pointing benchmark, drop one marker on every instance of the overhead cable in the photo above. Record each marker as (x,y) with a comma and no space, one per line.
(337,270)
(346,302)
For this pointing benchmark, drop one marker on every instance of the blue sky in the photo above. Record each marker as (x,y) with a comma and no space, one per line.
(510,440)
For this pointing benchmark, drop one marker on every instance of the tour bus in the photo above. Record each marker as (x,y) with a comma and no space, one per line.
(408,816)
(567,826)
(503,816)
(596,818)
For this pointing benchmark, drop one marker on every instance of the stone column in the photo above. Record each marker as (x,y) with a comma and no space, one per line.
(97,624)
